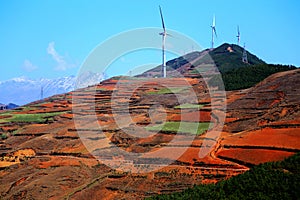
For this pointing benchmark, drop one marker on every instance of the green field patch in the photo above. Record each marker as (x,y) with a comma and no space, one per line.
(28,108)
(38,118)
(189,106)
(5,115)
(3,136)
(169,90)
(181,127)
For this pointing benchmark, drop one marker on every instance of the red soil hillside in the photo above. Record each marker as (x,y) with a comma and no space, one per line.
(265,121)
(47,148)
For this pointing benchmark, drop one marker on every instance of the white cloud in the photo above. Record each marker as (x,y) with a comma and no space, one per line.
(60,60)
(28,66)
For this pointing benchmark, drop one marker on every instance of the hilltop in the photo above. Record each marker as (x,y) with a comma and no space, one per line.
(229,56)
(225,57)
(227,60)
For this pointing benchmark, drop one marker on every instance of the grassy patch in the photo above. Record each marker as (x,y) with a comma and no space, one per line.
(38,118)
(181,127)
(25,108)
(100,89)
(3,136)
(189,106)
(16,131)
(168,90)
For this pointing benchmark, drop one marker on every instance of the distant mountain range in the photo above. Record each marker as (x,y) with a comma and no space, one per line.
(8,106)
(23,90)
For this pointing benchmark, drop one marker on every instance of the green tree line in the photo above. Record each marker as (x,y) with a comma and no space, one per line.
(246,77)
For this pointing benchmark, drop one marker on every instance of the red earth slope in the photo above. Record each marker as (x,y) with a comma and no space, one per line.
(43,156)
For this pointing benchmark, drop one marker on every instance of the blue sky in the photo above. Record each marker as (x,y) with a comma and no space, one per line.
(52,38)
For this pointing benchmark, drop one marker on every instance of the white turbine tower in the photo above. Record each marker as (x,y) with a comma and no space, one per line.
(213,31)
(238,35)
(164,35)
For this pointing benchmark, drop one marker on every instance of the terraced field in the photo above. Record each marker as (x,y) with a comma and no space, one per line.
(48,148)
(264,120)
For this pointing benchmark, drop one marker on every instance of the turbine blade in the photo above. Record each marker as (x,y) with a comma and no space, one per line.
(238,29)
(162,19)
(215,31)
(214,21)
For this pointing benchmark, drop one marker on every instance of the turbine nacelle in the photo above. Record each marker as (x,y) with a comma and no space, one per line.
(165,34)
(238,35)
(213,31)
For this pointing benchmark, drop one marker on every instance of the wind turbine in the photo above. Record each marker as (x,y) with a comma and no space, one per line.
(238,35)
(213,31)
(164,35)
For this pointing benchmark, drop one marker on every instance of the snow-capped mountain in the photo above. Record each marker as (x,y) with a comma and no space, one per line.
(88,78)
(23,90)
